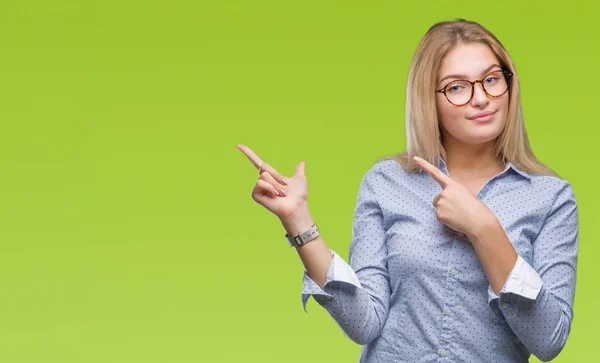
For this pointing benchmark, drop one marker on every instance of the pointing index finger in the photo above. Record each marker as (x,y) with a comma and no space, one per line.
(435,173)
(255,159)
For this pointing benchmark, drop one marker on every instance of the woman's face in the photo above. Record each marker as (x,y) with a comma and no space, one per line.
(460,123)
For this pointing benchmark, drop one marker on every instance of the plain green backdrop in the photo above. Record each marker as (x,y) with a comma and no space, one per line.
(128,232)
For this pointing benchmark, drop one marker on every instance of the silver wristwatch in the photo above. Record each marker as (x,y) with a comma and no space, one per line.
(304,237)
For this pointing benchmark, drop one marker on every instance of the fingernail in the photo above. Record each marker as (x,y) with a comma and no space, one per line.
(276,192)
(283,192)
(284,180)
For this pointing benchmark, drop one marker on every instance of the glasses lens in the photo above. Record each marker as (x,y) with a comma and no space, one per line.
(495,84)
(458,92)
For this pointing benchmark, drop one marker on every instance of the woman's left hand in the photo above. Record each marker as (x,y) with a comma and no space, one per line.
(456,206)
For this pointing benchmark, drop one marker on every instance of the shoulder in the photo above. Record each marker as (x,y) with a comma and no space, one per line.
(385,169)
(557,187)
(555,196)
(384,178)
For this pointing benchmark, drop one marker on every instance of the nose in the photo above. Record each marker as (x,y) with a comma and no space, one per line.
(480,98)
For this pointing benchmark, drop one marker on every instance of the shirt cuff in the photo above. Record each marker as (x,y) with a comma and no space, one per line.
(338,271)
(523,280)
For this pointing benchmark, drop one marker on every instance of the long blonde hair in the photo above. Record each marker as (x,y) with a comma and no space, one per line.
(423,134)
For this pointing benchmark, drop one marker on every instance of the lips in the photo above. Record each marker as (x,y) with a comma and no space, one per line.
(481,115)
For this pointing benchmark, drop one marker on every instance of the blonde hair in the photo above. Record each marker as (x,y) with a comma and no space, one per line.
(423,134)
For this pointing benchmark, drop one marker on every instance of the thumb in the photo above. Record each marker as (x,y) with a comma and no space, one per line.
(300,168)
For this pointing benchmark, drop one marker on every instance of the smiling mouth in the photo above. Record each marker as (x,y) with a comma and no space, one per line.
(482,115)
(483,118)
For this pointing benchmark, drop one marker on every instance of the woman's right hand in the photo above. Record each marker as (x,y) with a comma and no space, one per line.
(280,195)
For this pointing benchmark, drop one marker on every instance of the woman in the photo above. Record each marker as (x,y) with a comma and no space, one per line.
(473,260)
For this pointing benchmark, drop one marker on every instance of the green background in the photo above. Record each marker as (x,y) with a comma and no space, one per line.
(128,232)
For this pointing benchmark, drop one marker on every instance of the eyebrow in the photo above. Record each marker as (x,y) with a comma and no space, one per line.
(462,76)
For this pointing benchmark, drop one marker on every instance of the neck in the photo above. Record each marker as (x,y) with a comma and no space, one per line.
(478,159)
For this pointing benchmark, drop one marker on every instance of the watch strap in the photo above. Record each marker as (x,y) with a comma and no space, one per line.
(304,237)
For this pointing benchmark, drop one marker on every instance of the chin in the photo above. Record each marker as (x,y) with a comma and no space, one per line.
(477,134)
(479,139)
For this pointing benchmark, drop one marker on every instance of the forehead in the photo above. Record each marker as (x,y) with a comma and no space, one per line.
(468,59)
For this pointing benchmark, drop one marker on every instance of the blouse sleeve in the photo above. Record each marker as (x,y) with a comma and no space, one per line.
(537,298)
(357,294)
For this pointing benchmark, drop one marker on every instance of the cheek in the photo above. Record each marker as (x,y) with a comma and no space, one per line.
(504,105)
(448,115)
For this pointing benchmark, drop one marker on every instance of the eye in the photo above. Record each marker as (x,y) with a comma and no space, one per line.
(455,88)
(491,79)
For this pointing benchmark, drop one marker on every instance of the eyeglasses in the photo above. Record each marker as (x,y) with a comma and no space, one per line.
(460,92)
